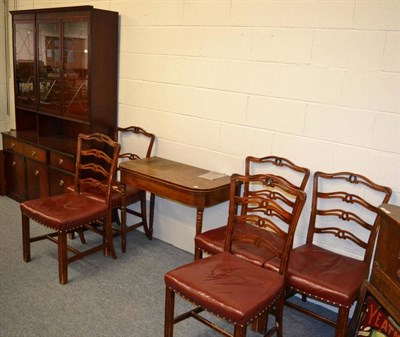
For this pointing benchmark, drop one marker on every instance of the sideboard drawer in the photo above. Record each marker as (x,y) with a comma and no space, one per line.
(13,145)
(62,161)
(35,153)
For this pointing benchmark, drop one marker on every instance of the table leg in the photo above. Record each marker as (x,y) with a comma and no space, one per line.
(199,219)
(151,217)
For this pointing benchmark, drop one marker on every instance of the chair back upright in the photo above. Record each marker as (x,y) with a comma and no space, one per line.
(271,205)
(294,175)
(96,164)
(345,208)
(142,145)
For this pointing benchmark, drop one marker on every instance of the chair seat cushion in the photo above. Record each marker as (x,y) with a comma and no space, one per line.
(133,194)
(325,274)
(227,286)
(213,242)
(66,211)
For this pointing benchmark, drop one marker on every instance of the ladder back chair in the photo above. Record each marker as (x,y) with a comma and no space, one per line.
(344,215)
(228,286)
(95,167)
(212,241)
(142,143)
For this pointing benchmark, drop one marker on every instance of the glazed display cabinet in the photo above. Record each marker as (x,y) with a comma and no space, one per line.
(65,83)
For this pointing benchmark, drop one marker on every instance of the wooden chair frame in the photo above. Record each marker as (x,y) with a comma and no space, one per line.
(126,198)
(36,209)
(270,161)
(261,206)
(339,233)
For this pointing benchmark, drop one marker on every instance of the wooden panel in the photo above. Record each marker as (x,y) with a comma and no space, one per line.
(14,166)
(386,269)
(2,177)
(87,92)
(35,153)
(37,179)
(62,161)
(59,181)
(13,145)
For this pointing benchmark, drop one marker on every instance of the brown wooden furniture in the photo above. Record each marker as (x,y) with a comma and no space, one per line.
(176,181)
(384,285)
(385,275)
(131,194)
(229,286)
(344,208)
(74,211)
(2,180)
(65,75)
(212,241)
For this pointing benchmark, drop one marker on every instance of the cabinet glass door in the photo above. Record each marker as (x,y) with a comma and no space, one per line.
(75,55)
(24,52)
(49,64)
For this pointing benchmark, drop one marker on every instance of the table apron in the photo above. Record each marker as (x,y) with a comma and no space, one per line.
(194,198)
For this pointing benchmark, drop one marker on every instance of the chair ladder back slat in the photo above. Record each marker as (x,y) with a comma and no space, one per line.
(262,210)
(96,164)
(279,162)
(347,208)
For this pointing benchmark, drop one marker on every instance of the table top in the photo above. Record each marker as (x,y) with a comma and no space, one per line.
(392,211)
(172,172)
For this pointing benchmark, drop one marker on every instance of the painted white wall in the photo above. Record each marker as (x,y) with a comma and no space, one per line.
(317,82)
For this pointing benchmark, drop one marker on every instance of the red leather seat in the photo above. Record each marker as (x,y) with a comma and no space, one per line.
(212,242)
(65,212)
(228,286)
(326,274)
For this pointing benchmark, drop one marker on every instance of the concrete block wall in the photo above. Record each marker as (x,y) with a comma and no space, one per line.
(317,82)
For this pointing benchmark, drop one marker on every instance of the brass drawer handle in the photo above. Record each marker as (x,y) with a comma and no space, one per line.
(60,162)
(36,172)
(14,163)
(61,183)
(12,145)
(34,154)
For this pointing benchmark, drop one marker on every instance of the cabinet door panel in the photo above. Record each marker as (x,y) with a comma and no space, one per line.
(49,61)
(75,60)
(24,55)
(37,179)
(15,175)
(59,181)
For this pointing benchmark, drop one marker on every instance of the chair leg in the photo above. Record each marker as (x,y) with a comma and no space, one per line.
(82,236)
(115,216)
(109,243)
(198,253)
(26,244)
(169,312)
(123,227)
(239,331)
(62,258)
(261,323)
(279,316)
(341,325)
